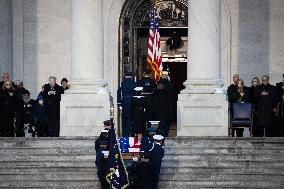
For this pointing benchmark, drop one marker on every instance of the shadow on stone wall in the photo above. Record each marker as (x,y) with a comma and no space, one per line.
(30,43)
(253,50)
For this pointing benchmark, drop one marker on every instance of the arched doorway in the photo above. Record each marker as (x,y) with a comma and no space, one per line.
(133,38)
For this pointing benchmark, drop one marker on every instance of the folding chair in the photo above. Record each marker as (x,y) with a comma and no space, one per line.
(241,117)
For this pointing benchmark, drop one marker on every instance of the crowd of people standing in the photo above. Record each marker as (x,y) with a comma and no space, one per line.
(267,105)
(22,116)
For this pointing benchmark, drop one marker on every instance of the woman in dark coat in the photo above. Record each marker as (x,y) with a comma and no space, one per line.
(8,100)
(266,105)
(254,84)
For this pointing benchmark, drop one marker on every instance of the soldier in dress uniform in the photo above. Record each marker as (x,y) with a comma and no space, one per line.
(139,112)
(147,140)
(124,96)
(144,169)
(156,156)
(102,148)
(107,124)
(148,84)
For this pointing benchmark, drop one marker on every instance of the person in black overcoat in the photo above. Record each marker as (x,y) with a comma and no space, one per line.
(40,117)
(254,84)
(19,127)
(6,77)
(52,96)
(280,89)
(279,118)
(242,96)
(139,112)
(160,109)
(266,106)
(144,169)
(24,113)
(8,101)
(232,92)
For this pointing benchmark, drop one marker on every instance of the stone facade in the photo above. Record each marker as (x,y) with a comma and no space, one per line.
(37,36)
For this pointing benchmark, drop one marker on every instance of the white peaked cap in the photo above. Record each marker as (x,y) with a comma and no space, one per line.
(104,131)
(138,88)
(158,137)
(154,122)
(165,73)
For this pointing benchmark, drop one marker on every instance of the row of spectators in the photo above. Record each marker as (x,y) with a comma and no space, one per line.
(267,101)
(22,116)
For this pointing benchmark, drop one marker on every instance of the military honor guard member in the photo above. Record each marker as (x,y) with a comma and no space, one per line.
(156,156)
(124,98)
(139,112)
(102,150)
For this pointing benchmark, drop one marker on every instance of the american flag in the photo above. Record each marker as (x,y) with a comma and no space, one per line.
(154,57)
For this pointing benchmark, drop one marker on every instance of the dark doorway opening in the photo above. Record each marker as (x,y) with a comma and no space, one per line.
(174,61)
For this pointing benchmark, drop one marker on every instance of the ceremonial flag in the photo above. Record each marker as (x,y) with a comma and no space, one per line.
(118,177)
(154,58)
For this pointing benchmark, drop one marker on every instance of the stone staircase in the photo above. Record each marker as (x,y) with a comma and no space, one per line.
(201,162)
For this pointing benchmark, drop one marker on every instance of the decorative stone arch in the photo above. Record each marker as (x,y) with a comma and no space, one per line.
(113,34)
(135,15)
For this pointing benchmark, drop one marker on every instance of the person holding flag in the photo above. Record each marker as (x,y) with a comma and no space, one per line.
(118,177)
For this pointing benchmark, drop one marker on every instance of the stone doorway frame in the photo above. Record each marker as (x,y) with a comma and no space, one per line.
(112,19)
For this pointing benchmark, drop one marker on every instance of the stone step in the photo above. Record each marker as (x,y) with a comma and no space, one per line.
(184,184)
(193,162)
(76,184)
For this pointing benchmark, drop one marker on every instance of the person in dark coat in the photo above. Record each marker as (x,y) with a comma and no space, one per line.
(8,101)
(144,169)
(124,98)
(279,118)
(242,96)
(254,84)
(232,92)
(64,85)
(6,77)
(166,82)
(20,91)
(25,114)
(102,146)
(266,105)
(40,117)
(243,92)
(280,89)
(52,96)
(156,156)
(139,112)
(160,109)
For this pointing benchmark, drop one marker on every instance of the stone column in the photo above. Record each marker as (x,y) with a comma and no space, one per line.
(202,105)
(6,37)
(86,104)
(87,46)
